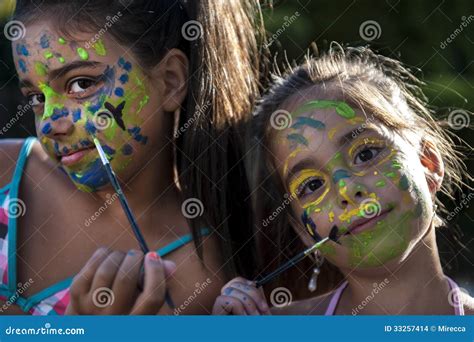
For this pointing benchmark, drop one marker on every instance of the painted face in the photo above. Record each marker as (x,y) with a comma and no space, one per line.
(346,171)
(80,88)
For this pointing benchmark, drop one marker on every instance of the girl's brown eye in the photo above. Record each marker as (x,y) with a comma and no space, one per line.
(310,186)
(35,99)
(366,154)
(80,85)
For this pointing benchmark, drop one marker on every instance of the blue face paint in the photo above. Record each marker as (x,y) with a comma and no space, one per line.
(127,66)
(297,138)
(46,128)
(340,174)
(21,50)
(123,78)
(90,128)
(305,121)
(44,41)
(119,92)
(127,149)
(310,226)
(59,113)
(65,150)
(108,150)
(76,115)
(135,133)
(22,65)
(93,178)
(85,143)
(56,148)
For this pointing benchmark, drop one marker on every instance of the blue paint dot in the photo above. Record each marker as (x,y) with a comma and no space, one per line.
(108,150)
(123,79)
(22,65)
(119,92)
(121,61)
(56,148)
(85,143)
(24,50)
(127,149)
(76,115)
(127,66)
(94,108)
(44,41)
(46,128)
(90,128)
(65,150)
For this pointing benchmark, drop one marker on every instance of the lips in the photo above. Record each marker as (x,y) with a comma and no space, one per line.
(75,156)
(362,224)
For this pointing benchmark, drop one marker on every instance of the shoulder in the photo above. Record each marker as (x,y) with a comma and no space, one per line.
(9,150)
(310,306)
(9,154)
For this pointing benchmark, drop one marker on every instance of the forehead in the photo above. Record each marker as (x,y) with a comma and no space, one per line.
(43,43)
(318,128)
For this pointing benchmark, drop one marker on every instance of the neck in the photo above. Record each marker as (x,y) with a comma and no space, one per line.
(405,289)
(153,197)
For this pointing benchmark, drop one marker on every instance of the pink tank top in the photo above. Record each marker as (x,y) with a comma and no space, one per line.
(458,309)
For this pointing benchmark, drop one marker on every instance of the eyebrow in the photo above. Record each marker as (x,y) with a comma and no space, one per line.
(56,73)
(308,163)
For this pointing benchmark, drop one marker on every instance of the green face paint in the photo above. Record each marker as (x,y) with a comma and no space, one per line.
(99,48)
(342,108)
(61,60)
(41,69)
(83,54)
(388,239)
(48,55)
(61,41)
(49,95)
(380,184)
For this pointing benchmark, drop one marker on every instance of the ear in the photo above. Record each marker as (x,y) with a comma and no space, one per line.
(434,167)
(171,75)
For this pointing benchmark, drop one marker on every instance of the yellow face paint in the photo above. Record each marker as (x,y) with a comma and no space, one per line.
(304,175)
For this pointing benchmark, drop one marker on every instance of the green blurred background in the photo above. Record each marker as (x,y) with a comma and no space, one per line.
(416,32)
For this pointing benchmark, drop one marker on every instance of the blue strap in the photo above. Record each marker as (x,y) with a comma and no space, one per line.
(180,242)
(12,220)
(27,303)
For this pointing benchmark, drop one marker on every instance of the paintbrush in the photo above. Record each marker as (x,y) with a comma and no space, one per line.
(297,258)
(128,212)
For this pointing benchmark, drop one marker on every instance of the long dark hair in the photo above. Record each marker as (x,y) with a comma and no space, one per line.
(367,80)
(225,70)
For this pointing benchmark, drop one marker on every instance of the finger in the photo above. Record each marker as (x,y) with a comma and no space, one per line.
(105,275)
(81,283)
(125,283)
(257,295)
(226,305)
(151,299)
(251,290)
(249,304)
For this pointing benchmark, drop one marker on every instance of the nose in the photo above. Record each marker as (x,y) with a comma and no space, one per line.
(58,125)
(348,191)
